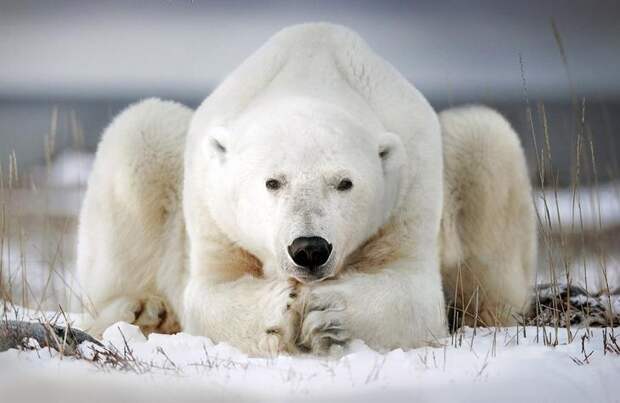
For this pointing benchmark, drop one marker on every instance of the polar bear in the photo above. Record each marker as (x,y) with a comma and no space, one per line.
(314,197)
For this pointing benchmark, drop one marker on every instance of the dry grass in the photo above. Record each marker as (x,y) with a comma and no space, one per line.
(564,247)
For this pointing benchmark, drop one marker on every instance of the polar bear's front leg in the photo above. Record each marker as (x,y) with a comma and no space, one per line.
(396,307)
(252,314)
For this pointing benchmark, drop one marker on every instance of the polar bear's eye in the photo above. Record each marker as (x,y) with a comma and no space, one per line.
(273,184)
(344,184)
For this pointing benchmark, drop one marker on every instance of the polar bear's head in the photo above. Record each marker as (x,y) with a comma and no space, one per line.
(301,184)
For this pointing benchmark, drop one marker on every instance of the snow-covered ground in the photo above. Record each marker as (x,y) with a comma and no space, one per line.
(486,365)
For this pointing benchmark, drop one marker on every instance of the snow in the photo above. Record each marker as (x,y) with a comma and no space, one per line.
(507,364)
(589,208)
(589,272)
(71,168)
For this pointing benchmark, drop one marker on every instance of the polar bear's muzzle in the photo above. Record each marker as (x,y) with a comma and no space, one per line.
(310,255)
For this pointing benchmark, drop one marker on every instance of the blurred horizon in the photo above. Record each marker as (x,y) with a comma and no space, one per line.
(69,66)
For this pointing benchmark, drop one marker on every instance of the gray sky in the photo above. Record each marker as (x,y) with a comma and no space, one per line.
(184,48)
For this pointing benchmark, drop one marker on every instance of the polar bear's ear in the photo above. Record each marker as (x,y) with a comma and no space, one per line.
(391,152)
(215,141)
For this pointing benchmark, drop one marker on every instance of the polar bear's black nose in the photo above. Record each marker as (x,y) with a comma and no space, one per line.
(310,252)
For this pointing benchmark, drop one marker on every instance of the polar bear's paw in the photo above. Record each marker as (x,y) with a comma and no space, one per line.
(324,330)
(283,329)
(150,313)
(153,315)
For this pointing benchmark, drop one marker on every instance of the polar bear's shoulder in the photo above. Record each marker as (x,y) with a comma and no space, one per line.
(323,34)
(152,115)
(474,133)
(141,152)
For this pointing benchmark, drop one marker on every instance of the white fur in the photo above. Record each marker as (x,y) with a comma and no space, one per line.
(488,237)
(312,106)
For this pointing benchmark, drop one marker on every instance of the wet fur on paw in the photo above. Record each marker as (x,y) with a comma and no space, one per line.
(323,330)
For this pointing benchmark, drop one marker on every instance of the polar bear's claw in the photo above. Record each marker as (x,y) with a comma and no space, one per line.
(280,337)
(323,329)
